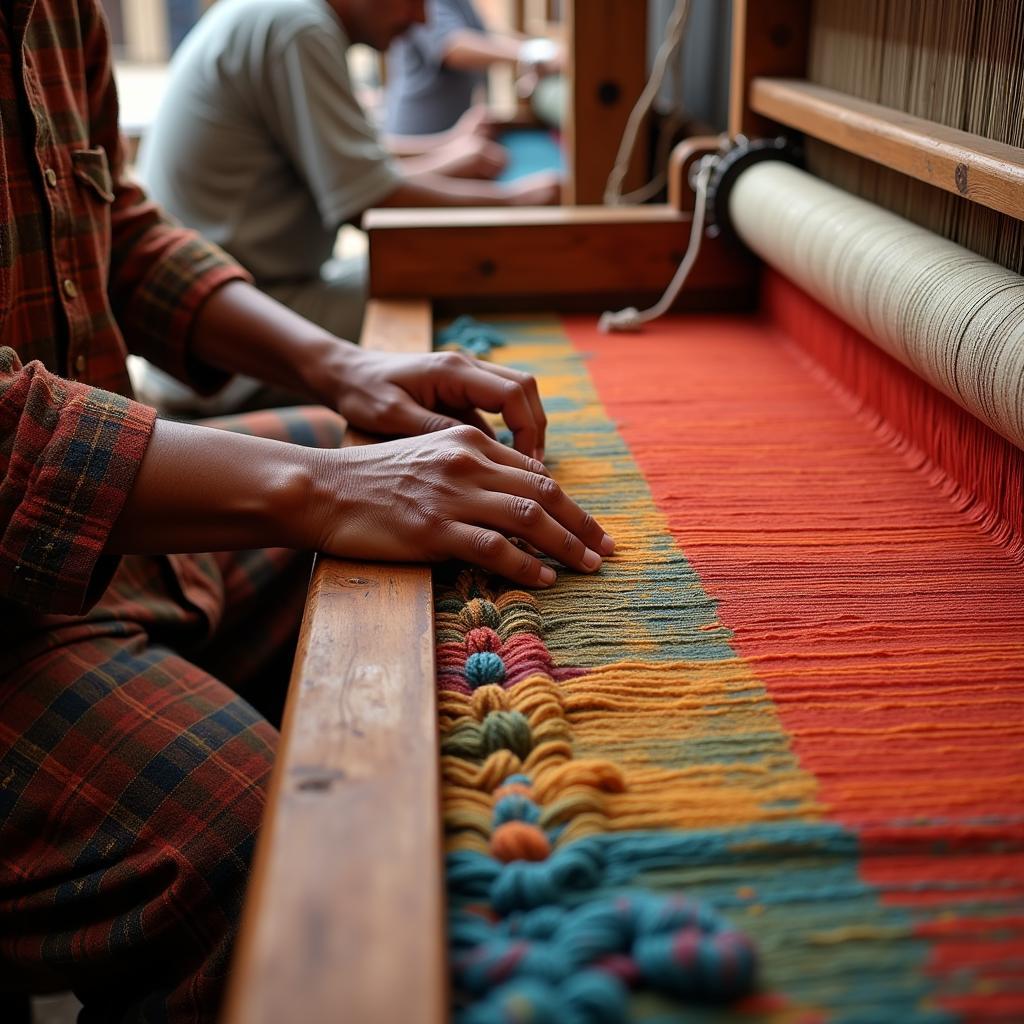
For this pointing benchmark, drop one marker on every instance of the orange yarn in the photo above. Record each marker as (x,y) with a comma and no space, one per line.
(519,840)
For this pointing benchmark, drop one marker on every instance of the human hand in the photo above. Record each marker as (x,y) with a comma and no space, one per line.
(478,120)
(538,58)
(386,393)
(453,494)
(544,188)
(470,156)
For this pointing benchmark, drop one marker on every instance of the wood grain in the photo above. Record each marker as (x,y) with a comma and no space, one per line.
(769,37)
(607,71)
(344,918)
(545,255)
(986,172)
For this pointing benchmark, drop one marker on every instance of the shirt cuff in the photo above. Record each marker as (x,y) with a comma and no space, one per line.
(162,314)
(72,480)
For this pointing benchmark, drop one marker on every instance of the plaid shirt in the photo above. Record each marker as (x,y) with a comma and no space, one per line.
(89,269)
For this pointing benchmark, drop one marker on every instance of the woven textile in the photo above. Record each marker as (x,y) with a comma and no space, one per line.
(791,699)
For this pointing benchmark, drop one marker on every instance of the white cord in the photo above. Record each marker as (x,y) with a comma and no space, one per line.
(630,318)
(674,35)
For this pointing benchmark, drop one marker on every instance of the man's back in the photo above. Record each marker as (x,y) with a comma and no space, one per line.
(259,142)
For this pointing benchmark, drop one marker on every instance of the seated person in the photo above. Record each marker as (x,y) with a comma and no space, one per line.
(437,70)
(134,763)
(261,145)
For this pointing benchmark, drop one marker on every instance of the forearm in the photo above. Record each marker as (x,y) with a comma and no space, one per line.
(403,146)
(473,51)
(205,489)
(241,330)
(425,188)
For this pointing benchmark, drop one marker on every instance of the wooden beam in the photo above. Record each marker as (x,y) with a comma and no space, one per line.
(594,256)
(344,918)
(769,37)
(986,172)
(607,71)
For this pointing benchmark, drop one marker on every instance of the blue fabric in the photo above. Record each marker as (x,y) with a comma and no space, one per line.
(530,150)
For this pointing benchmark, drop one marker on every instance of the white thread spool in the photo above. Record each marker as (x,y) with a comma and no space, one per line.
(951,316)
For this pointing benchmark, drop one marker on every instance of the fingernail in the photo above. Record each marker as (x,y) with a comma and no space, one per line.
(607,545)
(591,560)
(547,575)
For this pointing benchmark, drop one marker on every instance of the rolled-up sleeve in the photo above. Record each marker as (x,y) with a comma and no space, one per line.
(69,455)
(160,272)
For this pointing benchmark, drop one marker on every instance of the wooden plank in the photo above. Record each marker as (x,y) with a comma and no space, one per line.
(607,71)
(768,38)
(986,172)
(595,256)
(344,918)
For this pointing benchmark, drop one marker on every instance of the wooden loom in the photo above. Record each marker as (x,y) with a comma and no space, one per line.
(345,917)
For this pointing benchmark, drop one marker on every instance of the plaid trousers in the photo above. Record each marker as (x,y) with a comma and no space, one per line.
(133,774)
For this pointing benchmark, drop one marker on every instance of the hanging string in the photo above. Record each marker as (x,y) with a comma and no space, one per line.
(675,33)
(630,318)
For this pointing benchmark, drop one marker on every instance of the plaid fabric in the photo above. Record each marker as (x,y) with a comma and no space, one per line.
(89,269)
(133,775)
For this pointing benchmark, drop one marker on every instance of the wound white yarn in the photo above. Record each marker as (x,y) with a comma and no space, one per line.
(951,316)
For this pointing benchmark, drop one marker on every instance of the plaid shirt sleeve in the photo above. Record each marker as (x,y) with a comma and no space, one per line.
(160,272)
(69,454)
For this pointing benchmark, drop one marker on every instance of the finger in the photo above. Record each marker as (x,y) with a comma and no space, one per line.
(497,554)
(402,416)
(529,386)
(471,383)
(505,456)
(544,491)
(516,516)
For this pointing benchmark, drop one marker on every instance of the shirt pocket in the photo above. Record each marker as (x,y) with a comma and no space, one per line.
(91,168)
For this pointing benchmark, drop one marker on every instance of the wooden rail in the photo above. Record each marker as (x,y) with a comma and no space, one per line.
(587,257)
(986,172)
(344,918)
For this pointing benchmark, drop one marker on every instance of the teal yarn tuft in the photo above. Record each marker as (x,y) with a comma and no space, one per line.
(515,808)
(670,944)
(483,668)
(523,885)
(592,997)
(712,967)
(468,335)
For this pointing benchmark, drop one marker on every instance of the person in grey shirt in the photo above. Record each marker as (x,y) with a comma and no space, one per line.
(437,70)
(261,145)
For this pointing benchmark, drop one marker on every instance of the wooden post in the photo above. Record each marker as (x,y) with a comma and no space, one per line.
(768,38)
(607,68)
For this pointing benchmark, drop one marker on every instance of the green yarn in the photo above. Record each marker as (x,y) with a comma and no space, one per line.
(500,730)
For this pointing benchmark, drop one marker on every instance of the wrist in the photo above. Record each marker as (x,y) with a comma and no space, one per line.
(326,368)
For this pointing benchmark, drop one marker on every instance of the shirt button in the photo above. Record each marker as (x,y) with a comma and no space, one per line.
(80,364)
(69,288)
(51,177)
